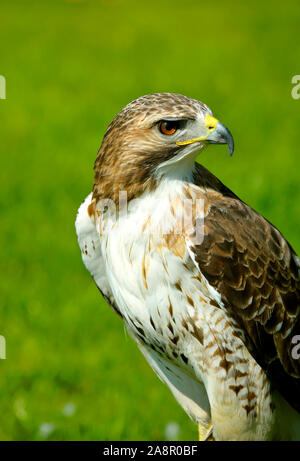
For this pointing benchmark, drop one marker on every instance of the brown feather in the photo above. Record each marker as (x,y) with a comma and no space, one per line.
(252,266)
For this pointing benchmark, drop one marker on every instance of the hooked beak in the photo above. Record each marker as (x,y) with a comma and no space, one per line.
(217,134)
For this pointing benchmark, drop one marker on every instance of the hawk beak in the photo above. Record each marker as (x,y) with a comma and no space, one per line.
(221,135)
(218,134)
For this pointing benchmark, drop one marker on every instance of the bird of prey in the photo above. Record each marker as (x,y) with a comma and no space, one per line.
(206,286)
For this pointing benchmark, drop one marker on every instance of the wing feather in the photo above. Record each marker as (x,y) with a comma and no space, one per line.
(256,272)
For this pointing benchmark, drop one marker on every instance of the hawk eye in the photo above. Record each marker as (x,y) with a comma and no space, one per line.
(168,127)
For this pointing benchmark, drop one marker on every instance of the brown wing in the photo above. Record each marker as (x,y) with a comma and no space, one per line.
(252,266)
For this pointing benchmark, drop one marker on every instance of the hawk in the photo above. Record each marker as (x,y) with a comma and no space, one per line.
(206,286)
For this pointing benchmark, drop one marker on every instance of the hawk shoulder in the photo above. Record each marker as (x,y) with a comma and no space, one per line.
(257,274)
(90,246)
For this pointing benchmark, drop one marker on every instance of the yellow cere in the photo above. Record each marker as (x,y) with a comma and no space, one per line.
(210,123)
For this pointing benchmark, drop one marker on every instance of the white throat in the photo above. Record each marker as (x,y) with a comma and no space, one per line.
(181,166)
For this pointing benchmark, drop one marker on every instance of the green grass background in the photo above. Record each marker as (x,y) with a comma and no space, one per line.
(70,66)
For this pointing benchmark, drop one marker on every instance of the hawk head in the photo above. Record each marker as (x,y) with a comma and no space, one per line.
(151,135)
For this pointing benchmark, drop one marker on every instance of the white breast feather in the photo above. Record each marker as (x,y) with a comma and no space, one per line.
(90,246)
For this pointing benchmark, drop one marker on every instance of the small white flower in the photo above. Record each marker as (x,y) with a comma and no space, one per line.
(46,429)
(172,431)
(69,409)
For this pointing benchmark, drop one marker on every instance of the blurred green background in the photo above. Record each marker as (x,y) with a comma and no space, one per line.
(71,370)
